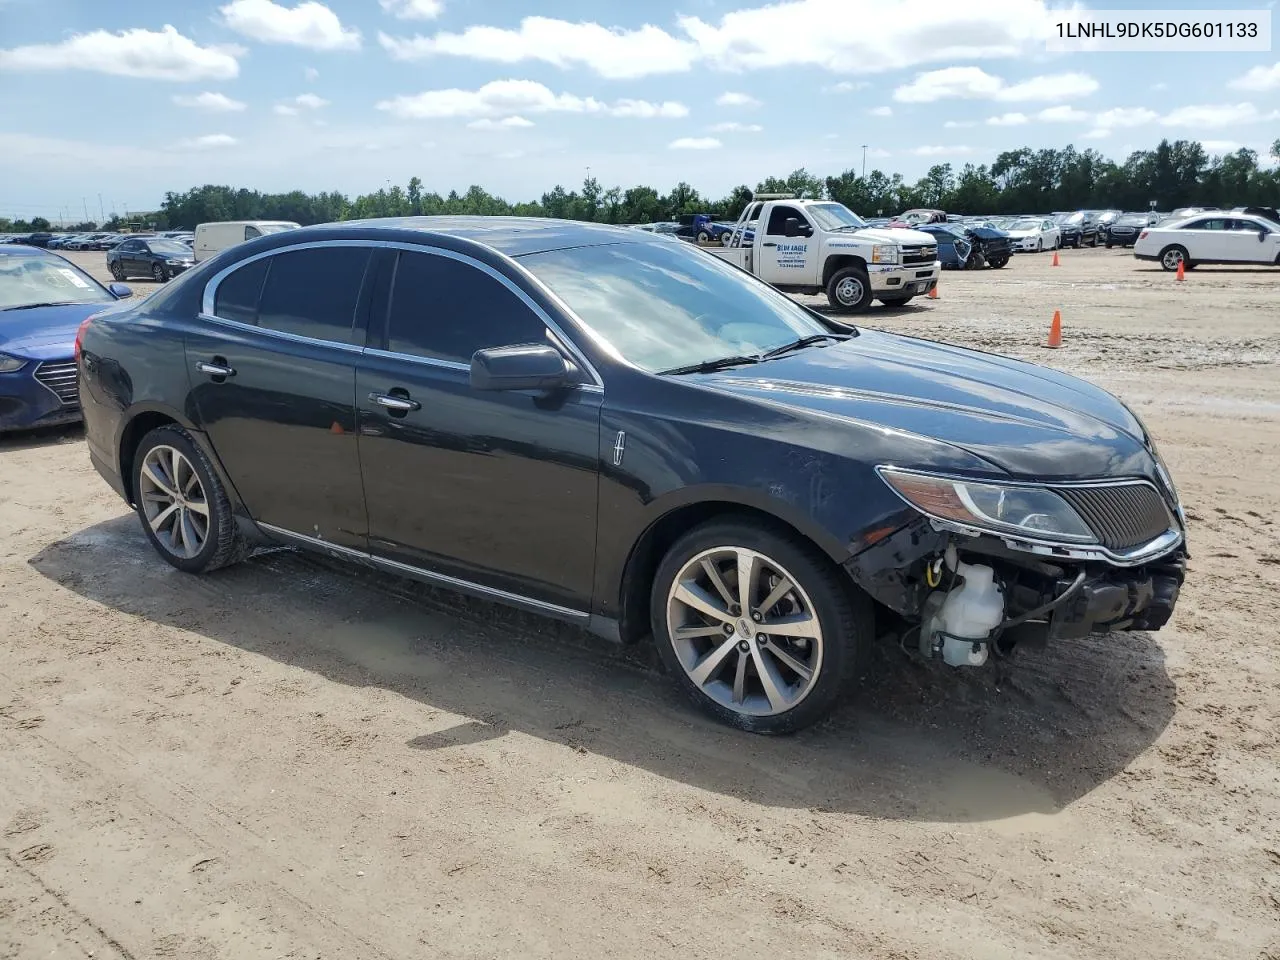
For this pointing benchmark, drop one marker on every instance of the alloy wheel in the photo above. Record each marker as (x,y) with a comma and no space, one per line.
(849,291)
(157,272)
(745,631)
(173,502)
(1172,258)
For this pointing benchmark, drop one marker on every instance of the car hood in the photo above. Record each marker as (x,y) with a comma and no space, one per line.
(898,235)
(1024,232)
(45,333)
(989,233)
(1027,421)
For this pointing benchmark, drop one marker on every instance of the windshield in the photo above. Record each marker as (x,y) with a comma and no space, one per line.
(1070,217)
(664,305)
(275,227)
(1133,220)
(1026,225)
(171,247)
(29,280)
(833,216)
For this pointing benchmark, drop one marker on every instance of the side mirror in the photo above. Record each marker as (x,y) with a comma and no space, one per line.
(120,291)
(1262,235)
(530,366)
(792,227)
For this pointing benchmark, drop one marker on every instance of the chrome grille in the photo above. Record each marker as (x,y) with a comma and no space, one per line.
(1121,516)
(920,253)
(61,379)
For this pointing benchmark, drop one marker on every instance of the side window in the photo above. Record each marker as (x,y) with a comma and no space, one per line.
(1245,226)
(238,293)
(130,245)
(251,232)
(778,220)
(313,293)
(444,309)
(1207,225)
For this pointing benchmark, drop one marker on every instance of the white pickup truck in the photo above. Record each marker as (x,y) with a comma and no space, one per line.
(815,246)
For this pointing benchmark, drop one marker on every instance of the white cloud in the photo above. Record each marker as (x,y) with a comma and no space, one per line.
(615,53)
(974,83)
(733,126)
(506,123)
(213,102)
(1157,87)
(845,36)
(303,101)
(517,96)
(1218,115)
(1008,120)
(644,110)
(210,142)
(413,9)
(1097,133)
(695,143)
(731,99)
(1062,114)
(284,110)
(309,24)
(846,86)
(311,74)
(1124,117)
(959,124)
(1258,79)
(939,151)
(881,111)
(145,54)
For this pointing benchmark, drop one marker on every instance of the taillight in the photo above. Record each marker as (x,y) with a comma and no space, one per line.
(80,336)
(1142,235)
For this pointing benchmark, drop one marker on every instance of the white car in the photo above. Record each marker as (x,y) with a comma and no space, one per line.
(1210,237)
(1034,233)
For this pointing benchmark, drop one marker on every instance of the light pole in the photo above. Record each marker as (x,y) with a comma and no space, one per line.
(864,161)
(101,212)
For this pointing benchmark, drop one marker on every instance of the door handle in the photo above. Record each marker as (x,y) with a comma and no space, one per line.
(768,244)
(215,369)
(395,404)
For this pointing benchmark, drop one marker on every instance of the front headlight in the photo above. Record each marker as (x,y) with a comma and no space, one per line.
(998,507)
(10,364)
(885,254)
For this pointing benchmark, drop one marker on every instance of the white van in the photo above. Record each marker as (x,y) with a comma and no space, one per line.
(213,238)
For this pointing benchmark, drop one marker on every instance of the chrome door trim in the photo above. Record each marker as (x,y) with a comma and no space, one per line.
(430,576)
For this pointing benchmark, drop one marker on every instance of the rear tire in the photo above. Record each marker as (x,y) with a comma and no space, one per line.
(118,272)
(182,504)
(704,236)
(774,685)
(997,262)
(1173,255)
(849,290)
(159,274)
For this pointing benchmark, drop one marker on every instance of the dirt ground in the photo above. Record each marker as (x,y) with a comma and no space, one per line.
(290,759)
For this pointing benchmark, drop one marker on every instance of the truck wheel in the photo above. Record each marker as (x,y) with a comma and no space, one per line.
(726,238)
(849,290)
(704,236)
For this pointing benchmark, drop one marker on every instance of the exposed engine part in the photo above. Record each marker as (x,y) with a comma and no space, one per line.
(959,621)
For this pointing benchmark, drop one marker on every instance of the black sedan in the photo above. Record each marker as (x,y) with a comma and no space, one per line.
(1123,231)
(604,426)
(152,257)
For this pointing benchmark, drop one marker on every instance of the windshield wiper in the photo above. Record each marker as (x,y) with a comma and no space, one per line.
(55,303)
(710,366)
(799,344)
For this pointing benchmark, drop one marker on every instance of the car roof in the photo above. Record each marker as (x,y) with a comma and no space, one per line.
(514,236)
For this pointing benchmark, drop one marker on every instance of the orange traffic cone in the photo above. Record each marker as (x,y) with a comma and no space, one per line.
(933,292)
(1055,259)
(1181,275)
(1055,330)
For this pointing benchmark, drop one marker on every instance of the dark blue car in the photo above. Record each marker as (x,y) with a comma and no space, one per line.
(43,301)
(953,248)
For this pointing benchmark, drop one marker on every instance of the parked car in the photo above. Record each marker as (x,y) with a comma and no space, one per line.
(152,257)
(1266,213)
(1210,237)
(1077,229)
(43,299)
(106,242)
(991,246)
(212,238)
(1035,234)
(953,246)
(918,217)
(1123,230)
(626,433)
(39,239)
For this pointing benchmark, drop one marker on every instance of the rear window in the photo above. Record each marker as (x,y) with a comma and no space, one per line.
(313,293)
(238,293)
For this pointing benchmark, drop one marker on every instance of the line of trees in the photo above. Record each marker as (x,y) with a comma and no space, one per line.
(1025,180)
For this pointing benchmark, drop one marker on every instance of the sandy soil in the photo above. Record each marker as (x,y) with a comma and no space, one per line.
(290,759)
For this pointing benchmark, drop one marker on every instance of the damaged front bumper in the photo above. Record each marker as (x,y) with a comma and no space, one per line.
(1079,595)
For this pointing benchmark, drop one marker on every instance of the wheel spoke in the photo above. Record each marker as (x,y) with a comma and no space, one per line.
(693,596)
(802,625)
(177,535)
(175,467)
(784,587)
(191,483)
(190,538)
(717,581)
(711,662)
(774,686)
(740,678)
(692,633)
(155,473)
(747,569)
(158,521)
(198,506)
(798,668)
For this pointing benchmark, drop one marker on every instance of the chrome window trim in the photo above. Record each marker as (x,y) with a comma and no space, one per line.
(281,334)
(432,576)
(562,340)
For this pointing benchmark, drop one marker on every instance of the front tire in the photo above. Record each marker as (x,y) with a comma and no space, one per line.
(1173,255)
(704,236)
(757,627)
(849,290)
(997,262)
(182,504)
(158,273)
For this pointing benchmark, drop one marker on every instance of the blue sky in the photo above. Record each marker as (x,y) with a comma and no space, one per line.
(130,99)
